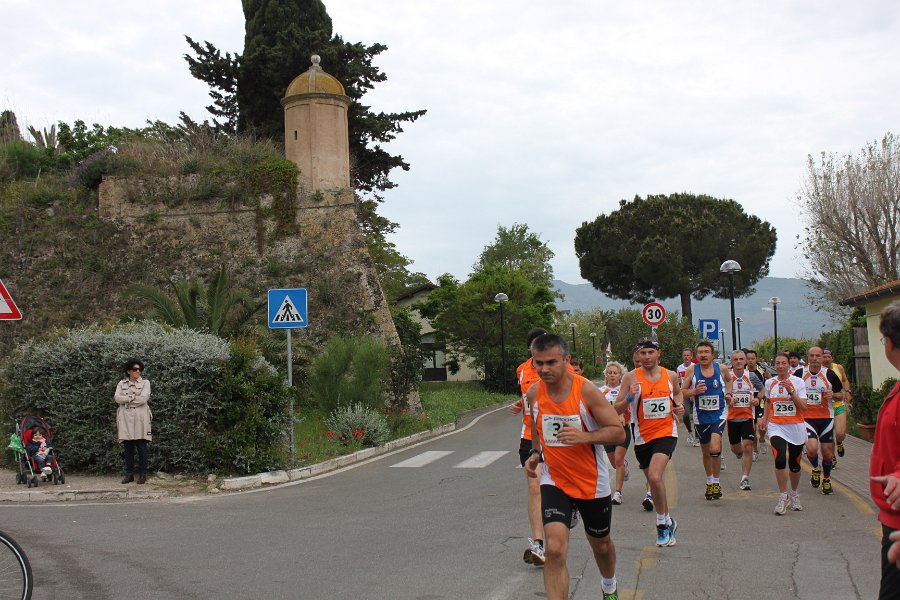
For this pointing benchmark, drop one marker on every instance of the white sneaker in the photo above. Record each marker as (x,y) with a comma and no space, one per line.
(695,442)
(745,483)
(627,474)
(780,506)
(617,498)
(762,447)
(755,456)
(723,463)
(48,471)
(795,502)
(534,554)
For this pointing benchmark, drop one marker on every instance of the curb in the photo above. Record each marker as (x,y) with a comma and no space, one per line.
(269,478)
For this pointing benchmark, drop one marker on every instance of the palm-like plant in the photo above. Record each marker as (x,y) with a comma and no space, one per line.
(218,308)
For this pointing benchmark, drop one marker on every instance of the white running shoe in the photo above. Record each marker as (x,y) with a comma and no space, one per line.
(723,463)
(780,506)
(755,456)
(795,502)
(762,448)
(617,498)
(627,473)
(745,483)
(534,554)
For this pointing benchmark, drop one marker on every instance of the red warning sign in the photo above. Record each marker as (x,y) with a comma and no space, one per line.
(8,309)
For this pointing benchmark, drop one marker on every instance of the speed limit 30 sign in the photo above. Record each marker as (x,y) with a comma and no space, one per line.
(654,314)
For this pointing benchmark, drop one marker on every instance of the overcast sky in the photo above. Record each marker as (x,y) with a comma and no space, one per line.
(537,114)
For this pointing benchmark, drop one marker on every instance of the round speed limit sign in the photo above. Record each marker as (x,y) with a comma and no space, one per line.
(654,314)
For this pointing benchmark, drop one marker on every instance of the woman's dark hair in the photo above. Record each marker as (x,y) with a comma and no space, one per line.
(132,363)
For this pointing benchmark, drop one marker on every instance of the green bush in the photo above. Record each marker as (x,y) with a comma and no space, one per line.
(357,424)
(22,160)
(407,359)
(213,406)
(350,371)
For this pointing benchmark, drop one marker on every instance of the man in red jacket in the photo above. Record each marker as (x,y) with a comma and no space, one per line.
(885,467)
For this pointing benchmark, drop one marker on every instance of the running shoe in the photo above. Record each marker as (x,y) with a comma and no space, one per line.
(840,449)
(695,442)
(617,498)
(534,554)
(723,463)
(627,473)
(795,502)
(762,448)
(780,506)
(826,487)
(755,456)
(833,462)
(709,492)
(47,470)
(745,484)
(662,535)
(672,527)
(574,522)
(717,491)
(613,596)
(816,477)
(647,503)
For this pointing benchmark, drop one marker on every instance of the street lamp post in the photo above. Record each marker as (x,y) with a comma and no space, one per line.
(593,349)
(722,344)
(775,301)
(731,267)
(502,299)
(739,321)
(574,349)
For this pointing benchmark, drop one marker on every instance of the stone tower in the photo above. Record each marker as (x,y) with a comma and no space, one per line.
(315,130)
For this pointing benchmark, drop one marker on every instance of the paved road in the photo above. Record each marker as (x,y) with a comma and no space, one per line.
(448,524)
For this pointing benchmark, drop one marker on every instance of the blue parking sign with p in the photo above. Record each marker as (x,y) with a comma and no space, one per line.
(709,329)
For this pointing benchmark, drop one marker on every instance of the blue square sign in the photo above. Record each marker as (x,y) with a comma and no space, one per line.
(287,309)
(709,329)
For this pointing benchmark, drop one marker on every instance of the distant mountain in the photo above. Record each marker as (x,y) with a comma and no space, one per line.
(796,316)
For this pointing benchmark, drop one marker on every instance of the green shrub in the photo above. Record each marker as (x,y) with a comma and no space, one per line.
(22,160)
(407,359)
(350,371)
(213,406)
(356,423)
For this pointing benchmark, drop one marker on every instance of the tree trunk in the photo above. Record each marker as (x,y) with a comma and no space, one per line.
(686,307)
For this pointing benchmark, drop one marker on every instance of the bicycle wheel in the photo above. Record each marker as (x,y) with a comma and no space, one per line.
(15,570)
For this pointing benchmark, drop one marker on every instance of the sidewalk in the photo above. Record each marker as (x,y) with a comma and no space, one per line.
(853,468)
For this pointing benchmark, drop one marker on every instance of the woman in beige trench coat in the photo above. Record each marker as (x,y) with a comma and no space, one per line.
(133,419)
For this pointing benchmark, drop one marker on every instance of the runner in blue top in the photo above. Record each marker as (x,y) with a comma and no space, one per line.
(710,387)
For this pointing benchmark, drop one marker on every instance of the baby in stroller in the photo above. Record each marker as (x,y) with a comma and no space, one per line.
(40,451)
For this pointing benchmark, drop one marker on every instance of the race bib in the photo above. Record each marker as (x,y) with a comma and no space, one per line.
(784,409)
(814,397)
(741,400)
(551,425)
(656,408)
(612,396)
(708,403)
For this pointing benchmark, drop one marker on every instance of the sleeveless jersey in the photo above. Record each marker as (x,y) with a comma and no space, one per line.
(528,376)
(709,407)
(817,405)
(783,410)
(612,394)
(652,411)
(742,392)
(579,471)
(680,370)
(842,375)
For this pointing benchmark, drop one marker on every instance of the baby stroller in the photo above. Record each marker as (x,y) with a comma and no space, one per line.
(28,468)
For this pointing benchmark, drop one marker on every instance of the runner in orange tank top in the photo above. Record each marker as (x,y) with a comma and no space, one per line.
(572,420)
(656,402)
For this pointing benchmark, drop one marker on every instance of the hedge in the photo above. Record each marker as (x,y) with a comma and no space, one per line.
(215,406)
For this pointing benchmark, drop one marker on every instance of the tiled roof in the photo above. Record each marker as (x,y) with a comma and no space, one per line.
(887,289)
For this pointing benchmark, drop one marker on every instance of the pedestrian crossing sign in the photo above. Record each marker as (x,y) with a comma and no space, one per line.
(287,308)
(8,309)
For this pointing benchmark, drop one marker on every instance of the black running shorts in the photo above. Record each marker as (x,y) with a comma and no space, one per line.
(644,452)
(557,507)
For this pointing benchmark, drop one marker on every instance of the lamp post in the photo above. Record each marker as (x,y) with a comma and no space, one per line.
(574,349)
(739,321)
(722,344)
(731,267)
(502,299)
(593,349)
(775,301)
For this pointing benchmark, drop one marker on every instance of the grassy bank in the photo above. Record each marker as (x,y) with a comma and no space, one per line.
(442,403)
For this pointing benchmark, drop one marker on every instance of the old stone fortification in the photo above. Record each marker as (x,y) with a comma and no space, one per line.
(321,249)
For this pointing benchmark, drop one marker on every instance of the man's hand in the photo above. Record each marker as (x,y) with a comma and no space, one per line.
(570,435)
(761,425)
(517,406)
(894,550)
(679,410)
(891,485)
(531,465)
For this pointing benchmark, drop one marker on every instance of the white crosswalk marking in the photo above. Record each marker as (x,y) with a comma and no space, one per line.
(481,460)
(420,460)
